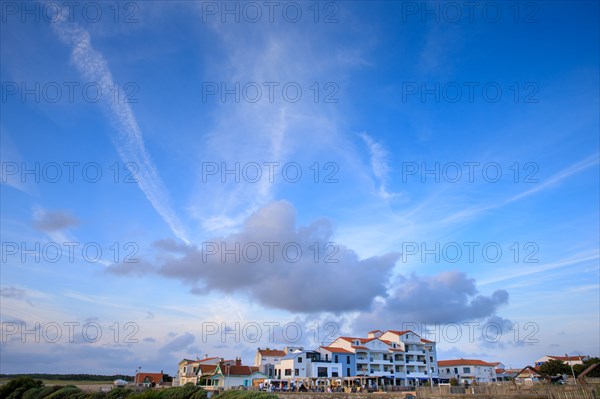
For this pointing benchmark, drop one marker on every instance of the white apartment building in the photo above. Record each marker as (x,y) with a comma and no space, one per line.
(392,357)
(300,364)
(467,370)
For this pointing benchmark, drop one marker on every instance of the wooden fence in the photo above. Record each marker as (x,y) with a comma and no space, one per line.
(505,391)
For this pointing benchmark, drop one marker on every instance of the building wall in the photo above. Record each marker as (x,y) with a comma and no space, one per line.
(468,373)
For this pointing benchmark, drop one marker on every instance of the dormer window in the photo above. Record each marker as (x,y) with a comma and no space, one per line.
(356,342)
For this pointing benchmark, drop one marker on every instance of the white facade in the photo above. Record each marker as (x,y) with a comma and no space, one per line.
(401,357)
(304,364)
(467,370)
(568,360)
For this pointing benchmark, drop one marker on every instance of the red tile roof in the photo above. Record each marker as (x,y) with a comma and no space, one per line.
(335,350)
(463,362)
(426,341)
(238,370)
(152,377)
(399,332)
(396,350)
(360,347)
(271,352)
(207,368)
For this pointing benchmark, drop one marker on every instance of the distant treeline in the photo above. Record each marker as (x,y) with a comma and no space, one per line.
(71,377)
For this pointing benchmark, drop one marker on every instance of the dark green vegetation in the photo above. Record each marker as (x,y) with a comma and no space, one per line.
(28,388)
(245,395)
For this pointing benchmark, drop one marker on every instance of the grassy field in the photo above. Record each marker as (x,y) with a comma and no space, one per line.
(87,386)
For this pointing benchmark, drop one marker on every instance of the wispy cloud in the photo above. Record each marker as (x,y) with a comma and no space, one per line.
(379,165)
(558,177)
(545,185)
(11,163)
(574,260)
(129,141)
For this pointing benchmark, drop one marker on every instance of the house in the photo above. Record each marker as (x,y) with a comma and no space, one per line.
(339,355)
(187,370)
(303,364)
(204,374)
(467,371)
(569,360)
(228,375)
(148,380)
(266,359)
(528,375)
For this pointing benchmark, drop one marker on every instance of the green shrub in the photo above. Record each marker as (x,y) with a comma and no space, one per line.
(15,388)
(64,392)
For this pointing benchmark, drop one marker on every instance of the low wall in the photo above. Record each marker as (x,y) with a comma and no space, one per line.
(342,395)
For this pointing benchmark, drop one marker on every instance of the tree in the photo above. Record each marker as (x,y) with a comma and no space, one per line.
(579,368)
(555,367)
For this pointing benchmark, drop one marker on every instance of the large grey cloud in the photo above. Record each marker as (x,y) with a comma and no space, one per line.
(50,221)
(446,297)
(277,264)
(288,273)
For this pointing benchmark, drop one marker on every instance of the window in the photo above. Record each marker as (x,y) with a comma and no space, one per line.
(321,371)
(296,372)
(348,372)
(288,371)
(336,359)
(455,370)
(299,359)
(466,369)
(347,359)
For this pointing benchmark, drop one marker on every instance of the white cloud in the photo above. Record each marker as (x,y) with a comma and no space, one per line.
(129,141)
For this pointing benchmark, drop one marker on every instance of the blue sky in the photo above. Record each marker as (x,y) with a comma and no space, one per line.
(442,157)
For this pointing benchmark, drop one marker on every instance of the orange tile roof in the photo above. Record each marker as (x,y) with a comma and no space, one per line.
(336,350)
(426,341)
(238,370)
(271,352)
(360,347)
(152,377)
(396,350)
(207,368)
(463,362)
(399,332)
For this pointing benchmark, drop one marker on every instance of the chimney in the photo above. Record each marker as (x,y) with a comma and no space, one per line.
(206,355)
(238,361)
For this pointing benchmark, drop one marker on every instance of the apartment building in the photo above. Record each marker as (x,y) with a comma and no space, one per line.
(392,357)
